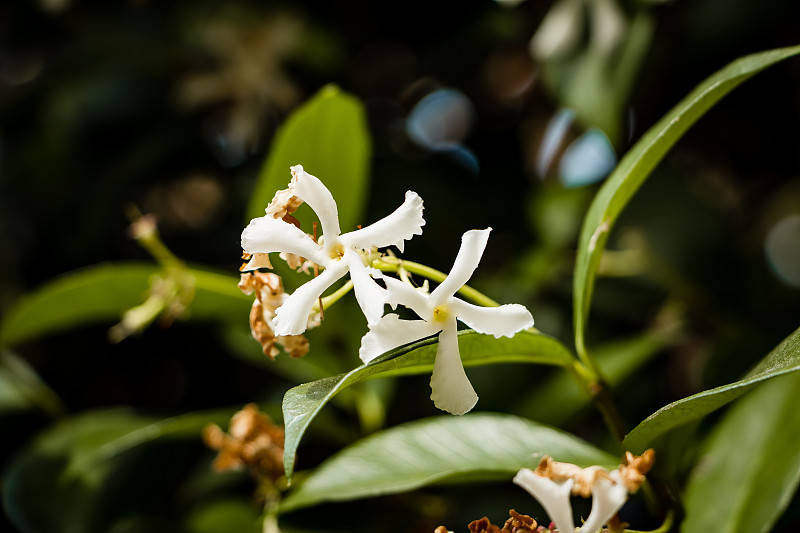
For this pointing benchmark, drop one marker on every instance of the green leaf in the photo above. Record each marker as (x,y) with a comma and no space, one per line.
(301,404)
(637,165)
(784,359)
(60,483)
(22,389)
(102,293)
(750,467)
(443,448)
(95,294)
(329,136)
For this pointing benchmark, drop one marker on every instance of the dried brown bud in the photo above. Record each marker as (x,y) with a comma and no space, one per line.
(483,525)
(635,468)
(519,523)
(583,478)
(284,203)
(252,441)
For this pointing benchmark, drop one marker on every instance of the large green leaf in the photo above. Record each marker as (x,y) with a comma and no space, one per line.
(302,403)
(329,136)
(102,293)
(61,482)
(784,359)
(750,467)
(637,165)
(443,448)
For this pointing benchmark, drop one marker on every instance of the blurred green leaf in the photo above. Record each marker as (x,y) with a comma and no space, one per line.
(60,483)
(102,293)
(750,467)
(301,404)
(637,165)
(784,359)
(444,448)
(99,293)
(558,399)
(22,389)
(225,516)
(329,136)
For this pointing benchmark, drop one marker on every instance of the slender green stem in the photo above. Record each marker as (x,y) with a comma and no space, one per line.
(332,298)
(593,385)
(393,264)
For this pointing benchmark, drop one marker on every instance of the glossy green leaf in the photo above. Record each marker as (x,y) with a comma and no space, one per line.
(329,136)
(61,481)
(102,293)
(301,404)
(784,359)
(440,449)
(637,165)
(22,389)
(750,467)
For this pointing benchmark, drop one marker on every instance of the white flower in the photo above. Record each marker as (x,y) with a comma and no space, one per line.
(337,253)
(553,495)
(553,483)
(451,390)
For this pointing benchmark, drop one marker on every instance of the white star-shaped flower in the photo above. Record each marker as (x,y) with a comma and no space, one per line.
(337,253)
(608,497)
(451,390)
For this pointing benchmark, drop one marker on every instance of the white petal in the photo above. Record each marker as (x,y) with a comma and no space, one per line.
(292,317)
(267,234)
(399,292)
(451,390)
(501,321)
(607,499)
(391,332)
(312,191)
(394,229)
(469,255)
(552,495)
(371,297)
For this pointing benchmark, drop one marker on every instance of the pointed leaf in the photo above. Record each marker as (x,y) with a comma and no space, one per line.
(443,448)
(301,404)
(329,136)
(102,293)
(637,165)
(784,359)
(750,468)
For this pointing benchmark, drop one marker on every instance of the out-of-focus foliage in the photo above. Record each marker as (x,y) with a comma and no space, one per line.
(501,114)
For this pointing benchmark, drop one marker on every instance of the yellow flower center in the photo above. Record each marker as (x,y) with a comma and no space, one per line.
(337,252)
(441,313)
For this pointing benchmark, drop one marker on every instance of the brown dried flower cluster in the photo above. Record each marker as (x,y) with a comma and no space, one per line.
(270,295)
(518,523)
(632,472)
(252,441)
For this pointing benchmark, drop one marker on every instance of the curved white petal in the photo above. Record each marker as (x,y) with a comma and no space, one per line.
(391,332)
(503,321)
(451,390)
(371,297)
(292,317)
(553,495)
(267,234)
(399,292)
(313,192)
(608,497)
(394,229)
(469,255)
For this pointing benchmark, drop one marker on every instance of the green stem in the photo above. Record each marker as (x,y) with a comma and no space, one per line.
(332,298)
(393,264)
(596,388)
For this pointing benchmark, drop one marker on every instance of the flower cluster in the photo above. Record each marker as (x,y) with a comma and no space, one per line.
(334,254)
(252,441)
(553,483)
